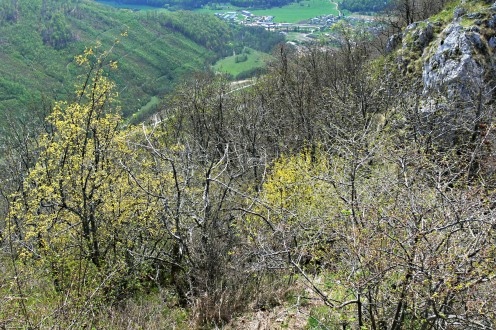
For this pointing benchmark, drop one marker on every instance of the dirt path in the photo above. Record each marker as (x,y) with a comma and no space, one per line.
(337,7)
(241,84)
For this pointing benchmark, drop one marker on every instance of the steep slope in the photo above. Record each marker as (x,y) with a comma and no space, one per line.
(39,41)
(326,187)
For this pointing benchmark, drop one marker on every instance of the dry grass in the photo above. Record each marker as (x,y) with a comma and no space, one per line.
(271,302)
(293,312)
(155,311)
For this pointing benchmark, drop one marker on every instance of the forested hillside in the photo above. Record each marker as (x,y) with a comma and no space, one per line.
(40,39)
(347,188)
(364,6)
(39,45)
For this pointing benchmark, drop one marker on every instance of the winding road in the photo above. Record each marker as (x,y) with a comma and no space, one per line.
(337,7)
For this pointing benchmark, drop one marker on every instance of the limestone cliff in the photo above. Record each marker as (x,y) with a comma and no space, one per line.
(454,53)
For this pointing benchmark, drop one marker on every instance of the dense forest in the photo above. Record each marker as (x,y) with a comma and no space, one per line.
(218,36)
(364,6)
(348,187)
(40,38)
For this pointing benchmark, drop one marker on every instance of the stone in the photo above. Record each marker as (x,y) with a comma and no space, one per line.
(476,40)
(459,12)
(393,42)
(475,15)
(425,35)
(421,35)
(491,22)
(452,69)
(492,42)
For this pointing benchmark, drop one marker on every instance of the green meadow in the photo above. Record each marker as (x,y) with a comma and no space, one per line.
(241,69)
(297,12)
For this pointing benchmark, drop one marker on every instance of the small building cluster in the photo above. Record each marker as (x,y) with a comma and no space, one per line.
(246,17)
(325,20)
(319,23)
(228,16)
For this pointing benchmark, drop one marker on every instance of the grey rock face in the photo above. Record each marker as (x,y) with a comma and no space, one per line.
(475,39)
(491,23)
(453,70)
(425,35)
(492,42)
(474,15)
(393,42)
(459,12)
(421,35)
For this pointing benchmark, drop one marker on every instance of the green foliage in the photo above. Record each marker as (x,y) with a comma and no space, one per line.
(56,32)
(9,11)
(364,5)
(204,29)
(256,38)
(239,66)
(240,58)
(76,215)
(158,49)
(40,59)
(217,35)
(290,183)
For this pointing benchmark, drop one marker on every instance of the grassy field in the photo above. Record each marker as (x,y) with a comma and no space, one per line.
(297,12)
(145,112)
(292,13)
(254,61)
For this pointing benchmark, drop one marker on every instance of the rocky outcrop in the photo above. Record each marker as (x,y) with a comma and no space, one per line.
(393,42)
(421,35)
(457,67)
(459,64)
(450,61)
(416,36)
(456,60)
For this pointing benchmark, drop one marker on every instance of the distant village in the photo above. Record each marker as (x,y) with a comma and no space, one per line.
(321,23)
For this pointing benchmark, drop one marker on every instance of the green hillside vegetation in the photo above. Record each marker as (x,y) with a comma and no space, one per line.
(364,6)
(40,39)
(242,65)
(336,191)
(32,64)
(128,6)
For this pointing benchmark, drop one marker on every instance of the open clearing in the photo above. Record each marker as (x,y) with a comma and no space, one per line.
(254,60)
